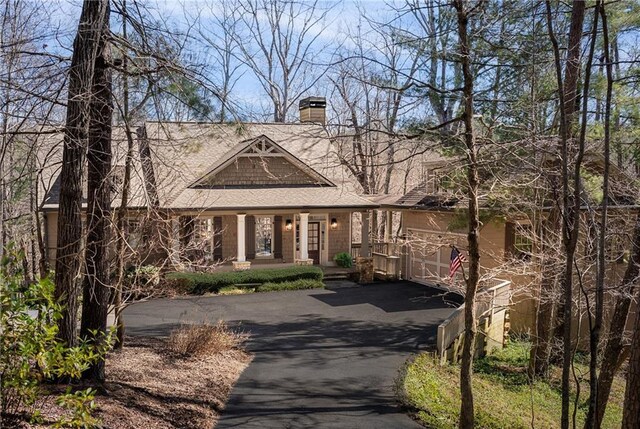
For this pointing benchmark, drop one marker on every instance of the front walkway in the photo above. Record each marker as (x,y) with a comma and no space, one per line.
(323,358)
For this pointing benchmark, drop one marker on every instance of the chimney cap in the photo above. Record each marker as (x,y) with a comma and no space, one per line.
(313,102)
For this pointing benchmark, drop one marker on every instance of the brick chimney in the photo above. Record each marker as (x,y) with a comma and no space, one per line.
(312,109)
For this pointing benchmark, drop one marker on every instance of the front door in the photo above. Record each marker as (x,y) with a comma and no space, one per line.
(314,242)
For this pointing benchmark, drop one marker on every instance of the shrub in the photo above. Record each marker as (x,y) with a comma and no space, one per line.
(343,259)
(30,353)
(293,285)
(142,282)
(204,339)
(81,406)
(212,282)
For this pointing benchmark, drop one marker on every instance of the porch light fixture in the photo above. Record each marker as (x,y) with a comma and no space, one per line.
(334,223)
(288,225)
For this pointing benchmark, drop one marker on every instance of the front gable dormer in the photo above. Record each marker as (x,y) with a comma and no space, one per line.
(260,163)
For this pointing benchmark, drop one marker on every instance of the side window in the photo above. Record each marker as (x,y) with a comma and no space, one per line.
(615,249)
(523,242)
(519,240)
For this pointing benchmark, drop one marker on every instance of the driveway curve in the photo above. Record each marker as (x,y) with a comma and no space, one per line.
(323,358)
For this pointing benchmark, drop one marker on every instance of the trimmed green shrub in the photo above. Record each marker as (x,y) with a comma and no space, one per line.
(200,283)
(343,259)
(293,285)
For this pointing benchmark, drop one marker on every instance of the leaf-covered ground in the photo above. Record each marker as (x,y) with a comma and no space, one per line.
(149,387)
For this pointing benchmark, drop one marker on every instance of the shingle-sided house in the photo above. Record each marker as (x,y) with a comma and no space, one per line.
(255,193)
(434,219)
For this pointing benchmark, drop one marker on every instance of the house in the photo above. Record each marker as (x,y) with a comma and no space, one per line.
(434,219)
(241,194)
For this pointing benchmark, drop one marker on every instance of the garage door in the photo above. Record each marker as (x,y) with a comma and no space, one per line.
(429,255)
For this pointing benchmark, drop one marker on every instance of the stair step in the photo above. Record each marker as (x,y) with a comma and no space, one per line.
(336,277)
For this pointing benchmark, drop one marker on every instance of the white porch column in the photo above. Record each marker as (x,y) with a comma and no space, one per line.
(388,229)
(304,236)
(241,257)
(364,250)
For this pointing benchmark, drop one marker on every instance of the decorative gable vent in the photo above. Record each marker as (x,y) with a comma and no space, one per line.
(261,147)
(260,163)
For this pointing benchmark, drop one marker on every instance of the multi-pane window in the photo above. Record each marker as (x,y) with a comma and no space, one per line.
(264,236)
(522,241)
(202,237)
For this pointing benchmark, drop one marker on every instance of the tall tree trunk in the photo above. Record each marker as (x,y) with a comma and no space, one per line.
(594,335)
(612,355)
(567,92)
(545,316)
(466,370)
(96,287)
(631,410)
(126,184)
(68,253)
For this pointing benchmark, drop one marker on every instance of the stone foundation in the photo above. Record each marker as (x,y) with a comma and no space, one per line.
(304,261)
(364,267)
(241,266)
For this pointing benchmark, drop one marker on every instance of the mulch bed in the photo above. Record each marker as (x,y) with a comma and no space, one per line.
(149,387)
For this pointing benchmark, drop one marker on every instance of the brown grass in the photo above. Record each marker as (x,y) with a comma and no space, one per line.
(204,339)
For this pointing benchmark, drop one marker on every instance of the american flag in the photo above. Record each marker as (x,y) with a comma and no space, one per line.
(457,258)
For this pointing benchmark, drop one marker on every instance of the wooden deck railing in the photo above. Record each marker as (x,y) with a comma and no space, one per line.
(386,258)
(490,300)
(355,250)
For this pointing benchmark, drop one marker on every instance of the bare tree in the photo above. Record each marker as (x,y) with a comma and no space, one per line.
(464,11)
(30,85)
(217,37)
(96,283)
(68,266)
(596,326)
(285,35)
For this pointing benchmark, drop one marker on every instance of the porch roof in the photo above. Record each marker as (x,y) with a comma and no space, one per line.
(268,198)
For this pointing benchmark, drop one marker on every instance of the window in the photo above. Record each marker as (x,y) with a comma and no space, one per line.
(519,241)
(615,249)
(202,235)
(264,236)
(522,241)
(133,233)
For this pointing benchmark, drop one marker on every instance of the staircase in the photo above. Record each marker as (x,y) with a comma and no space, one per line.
(337,273)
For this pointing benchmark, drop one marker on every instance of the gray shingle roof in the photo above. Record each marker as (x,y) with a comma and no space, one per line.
(184,152)
(269,198)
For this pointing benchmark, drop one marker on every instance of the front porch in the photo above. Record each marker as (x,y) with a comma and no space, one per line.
(239,241)
(255,239)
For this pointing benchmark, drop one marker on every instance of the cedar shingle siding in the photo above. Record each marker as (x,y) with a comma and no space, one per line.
(339,238)
(257,171)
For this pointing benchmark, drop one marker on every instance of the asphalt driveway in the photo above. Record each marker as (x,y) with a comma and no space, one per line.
(323,358)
